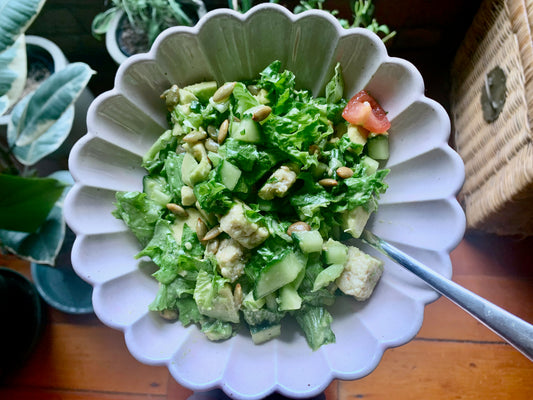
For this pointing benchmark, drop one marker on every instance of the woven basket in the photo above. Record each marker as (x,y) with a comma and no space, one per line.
(498,192)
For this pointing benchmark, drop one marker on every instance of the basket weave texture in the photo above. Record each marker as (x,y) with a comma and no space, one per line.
(498,191)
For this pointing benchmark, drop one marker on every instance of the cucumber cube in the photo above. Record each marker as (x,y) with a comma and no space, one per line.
(289,299)
(229,174)
(245,130)
(327,275)
(335,252)
(309,241)
(264,332)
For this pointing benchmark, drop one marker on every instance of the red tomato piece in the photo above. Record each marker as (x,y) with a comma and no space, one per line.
(364,110)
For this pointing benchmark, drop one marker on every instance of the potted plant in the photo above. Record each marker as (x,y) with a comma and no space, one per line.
(363,16)
(34,125)
(131,26)
(31,221)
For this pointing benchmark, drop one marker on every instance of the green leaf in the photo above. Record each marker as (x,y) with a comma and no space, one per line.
(43,245)
(13,71)
(45,144)
(48,103)
(139,213)
(15,17)
(101,22)
(316,324)
(26,202)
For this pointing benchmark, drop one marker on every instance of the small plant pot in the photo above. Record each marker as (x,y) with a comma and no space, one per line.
(111,39)
(22,318)
(59,286)
(116,29)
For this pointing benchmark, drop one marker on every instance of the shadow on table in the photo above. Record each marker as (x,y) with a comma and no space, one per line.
(219,395)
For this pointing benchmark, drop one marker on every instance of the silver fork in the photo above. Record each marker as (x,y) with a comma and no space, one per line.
(514,330)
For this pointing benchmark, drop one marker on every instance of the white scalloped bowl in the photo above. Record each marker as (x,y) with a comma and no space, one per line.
(418,213)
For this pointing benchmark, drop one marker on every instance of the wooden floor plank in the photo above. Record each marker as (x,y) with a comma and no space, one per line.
(76,356)
(491,255)
(19,393)
(444,320)
(422,370)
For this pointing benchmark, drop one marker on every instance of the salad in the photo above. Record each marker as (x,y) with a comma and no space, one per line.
(247,198)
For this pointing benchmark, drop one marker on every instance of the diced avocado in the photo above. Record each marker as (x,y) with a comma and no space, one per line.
(187,196)
(187,97)
(188,165)
(274,276)
(309,241)
(370,165)
(200,173)
(327,275)
(355,135)
(289,299)
(245,130)
(264,332)
(220,306)
(378,147)
(215,158)
(354,221)
(156,188)
(177,225)
(203,90)
(229,174)
(334,252)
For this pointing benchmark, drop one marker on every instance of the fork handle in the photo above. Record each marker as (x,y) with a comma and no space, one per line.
(514,330)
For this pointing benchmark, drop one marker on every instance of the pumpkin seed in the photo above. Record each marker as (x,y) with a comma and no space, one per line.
(237,295)
(212,246)
(195,136)
(212,132)
(171,97)
(328,182)
(223,131)
(223,92)
(213,233)
(261,113)
(201,228)
(298,227)
(344,172)
(178,210)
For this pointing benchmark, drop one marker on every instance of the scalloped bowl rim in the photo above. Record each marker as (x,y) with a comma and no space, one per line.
(456,165)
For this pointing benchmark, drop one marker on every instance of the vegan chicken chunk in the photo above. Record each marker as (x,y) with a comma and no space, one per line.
(361,274)
(278,184)
(247,233)
(230,259)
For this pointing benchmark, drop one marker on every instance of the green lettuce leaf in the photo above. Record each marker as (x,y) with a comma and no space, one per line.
(213,196)
(139,213)
(316,325)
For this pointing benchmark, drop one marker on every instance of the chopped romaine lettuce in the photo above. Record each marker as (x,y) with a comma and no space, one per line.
(293,162)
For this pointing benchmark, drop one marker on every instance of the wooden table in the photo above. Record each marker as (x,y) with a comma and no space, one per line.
(453,356)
